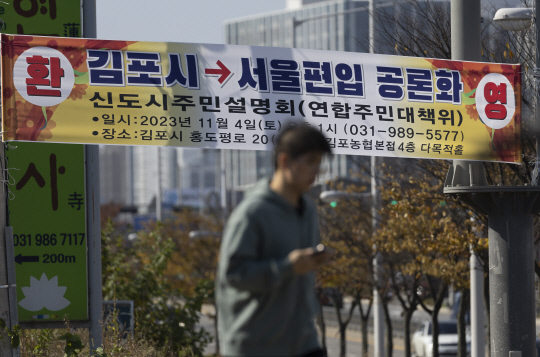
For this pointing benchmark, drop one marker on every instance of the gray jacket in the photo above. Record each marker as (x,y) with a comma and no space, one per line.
(264,309)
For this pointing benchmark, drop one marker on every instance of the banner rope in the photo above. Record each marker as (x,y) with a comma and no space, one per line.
(9,180)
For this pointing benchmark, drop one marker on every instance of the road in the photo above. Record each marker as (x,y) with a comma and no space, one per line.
(354,342)
(354,339)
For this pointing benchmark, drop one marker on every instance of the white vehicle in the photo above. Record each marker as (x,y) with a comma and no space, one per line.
(422,339)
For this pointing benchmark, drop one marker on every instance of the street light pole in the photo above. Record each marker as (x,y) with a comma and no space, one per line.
(510,211)
(466,45)
(378,311)
(93,211)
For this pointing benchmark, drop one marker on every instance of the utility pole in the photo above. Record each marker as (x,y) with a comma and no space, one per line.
(93,210)
(466,46)
(510,211)
(378,310)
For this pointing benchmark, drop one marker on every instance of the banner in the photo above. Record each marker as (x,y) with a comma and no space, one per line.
(238,97)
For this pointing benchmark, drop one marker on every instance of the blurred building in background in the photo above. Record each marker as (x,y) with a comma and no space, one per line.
(339,25)
(192,177)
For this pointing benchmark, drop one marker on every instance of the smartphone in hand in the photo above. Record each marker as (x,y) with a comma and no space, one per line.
(320,249)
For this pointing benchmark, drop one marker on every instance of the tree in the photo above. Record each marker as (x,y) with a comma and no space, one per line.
(346,229)
(196,239)
(430,234)
(135,271)
(404,286)
(193,263)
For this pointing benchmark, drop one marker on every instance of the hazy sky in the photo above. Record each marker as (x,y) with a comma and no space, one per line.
(198,21)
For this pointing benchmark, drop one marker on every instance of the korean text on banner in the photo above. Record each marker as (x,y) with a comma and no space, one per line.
(238,97)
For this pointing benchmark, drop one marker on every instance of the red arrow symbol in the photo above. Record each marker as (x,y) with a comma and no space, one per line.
(223,72)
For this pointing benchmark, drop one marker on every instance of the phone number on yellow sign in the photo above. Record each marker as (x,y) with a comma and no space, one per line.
(48,239)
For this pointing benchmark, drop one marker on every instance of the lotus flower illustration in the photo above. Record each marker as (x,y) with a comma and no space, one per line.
(44,293)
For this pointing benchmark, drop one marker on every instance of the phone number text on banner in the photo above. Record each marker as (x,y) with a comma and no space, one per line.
(69,90)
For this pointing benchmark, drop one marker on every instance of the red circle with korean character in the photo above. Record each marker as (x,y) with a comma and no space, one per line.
(43,76)
(495,100)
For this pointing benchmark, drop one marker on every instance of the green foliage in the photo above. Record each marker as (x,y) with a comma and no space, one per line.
(45,338)
(193,259)
(425,233)
(346,229)
(135,271)
(100,353)
(13,333)
(74,344)
(60,342)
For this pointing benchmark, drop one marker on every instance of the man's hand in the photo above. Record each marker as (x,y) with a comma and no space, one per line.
(305,260)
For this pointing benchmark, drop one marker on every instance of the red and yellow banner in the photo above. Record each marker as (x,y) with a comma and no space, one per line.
(68,90)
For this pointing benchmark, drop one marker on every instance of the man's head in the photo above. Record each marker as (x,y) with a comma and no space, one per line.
(297,154)
(298,140)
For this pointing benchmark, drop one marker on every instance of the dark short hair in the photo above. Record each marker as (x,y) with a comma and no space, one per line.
(299,139)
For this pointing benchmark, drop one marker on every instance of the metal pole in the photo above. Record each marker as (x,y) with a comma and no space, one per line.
(478,340)
(294,23)
(511,280)
(466,35)
(89,19)
(235,168)
(223,180)
(202,196)
(378,311)
(93,221)
(131,173)
(158,185)
(372,9)
(93,227)
(466,46)
(510,211)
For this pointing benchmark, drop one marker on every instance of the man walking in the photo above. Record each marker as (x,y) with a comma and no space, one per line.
(265,281)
